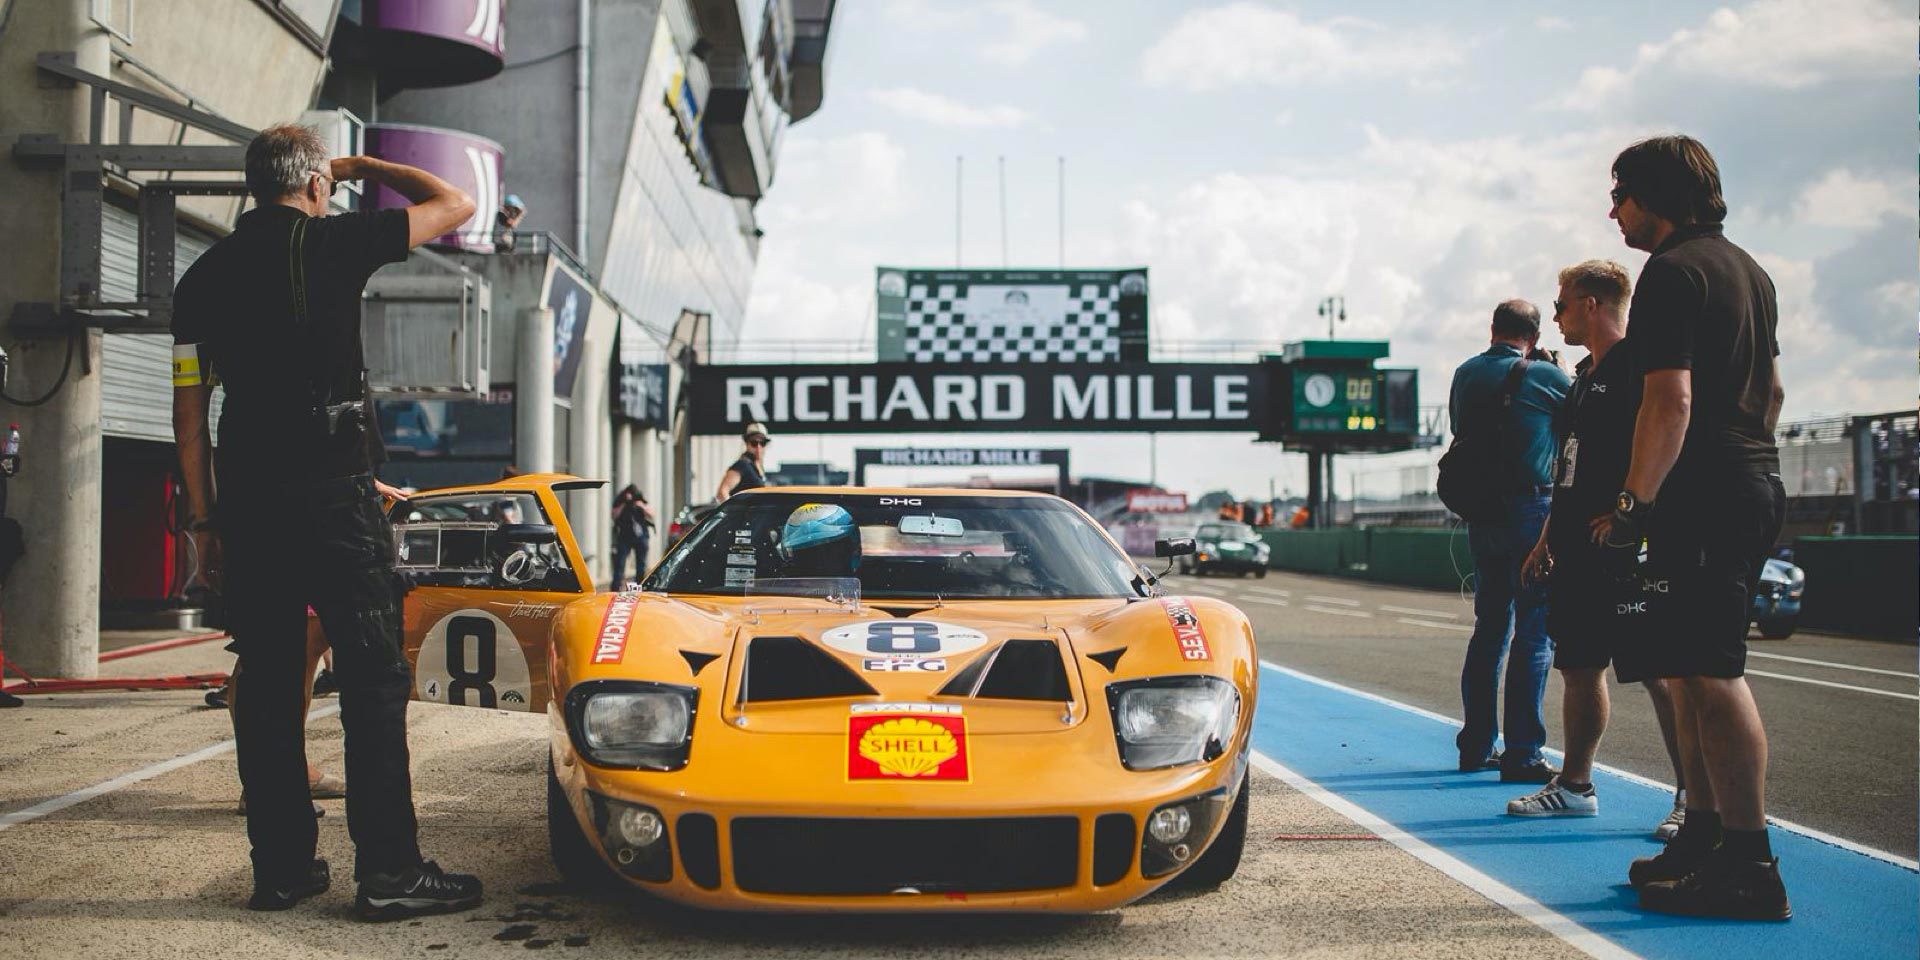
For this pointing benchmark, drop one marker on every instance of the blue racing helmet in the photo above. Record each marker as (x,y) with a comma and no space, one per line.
(821,530)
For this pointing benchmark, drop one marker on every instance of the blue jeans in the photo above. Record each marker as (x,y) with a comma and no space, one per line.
(1502,609)
(622,549)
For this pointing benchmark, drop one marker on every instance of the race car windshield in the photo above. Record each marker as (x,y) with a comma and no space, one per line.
(972,548)
(1227,531)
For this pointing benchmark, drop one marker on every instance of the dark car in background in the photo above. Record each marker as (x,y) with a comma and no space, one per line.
(1230,547)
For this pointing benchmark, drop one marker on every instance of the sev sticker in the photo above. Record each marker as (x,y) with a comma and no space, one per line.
(1186,629)
(909,746)
(614,627)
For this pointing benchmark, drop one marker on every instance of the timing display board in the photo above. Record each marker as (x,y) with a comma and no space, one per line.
(1330,402)
(1012,316)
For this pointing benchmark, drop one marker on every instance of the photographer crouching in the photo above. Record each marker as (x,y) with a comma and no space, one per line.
(272,311)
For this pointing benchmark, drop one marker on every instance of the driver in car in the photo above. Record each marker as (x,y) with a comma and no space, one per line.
(820,540)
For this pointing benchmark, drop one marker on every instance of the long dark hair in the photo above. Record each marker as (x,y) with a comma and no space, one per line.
(1673,177)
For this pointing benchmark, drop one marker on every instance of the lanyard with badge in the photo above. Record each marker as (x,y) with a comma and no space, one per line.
(1570,449)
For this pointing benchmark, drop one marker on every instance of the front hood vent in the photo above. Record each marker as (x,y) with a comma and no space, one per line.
(1017,670)
(789,668)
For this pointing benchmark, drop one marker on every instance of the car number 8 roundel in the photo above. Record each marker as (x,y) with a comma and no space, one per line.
(470,658)
(903,638)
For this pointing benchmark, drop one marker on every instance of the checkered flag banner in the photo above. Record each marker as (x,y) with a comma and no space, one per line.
(1012,316)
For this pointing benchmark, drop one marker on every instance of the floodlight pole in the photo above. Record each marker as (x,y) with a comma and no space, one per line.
(1333,308)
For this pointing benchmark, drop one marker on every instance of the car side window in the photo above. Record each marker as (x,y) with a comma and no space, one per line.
(461,536)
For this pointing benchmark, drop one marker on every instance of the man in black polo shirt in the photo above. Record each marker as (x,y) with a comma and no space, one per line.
(273,312)
(1592,616)
(1703,490)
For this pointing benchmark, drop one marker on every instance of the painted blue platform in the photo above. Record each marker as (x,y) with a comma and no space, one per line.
(1397,764)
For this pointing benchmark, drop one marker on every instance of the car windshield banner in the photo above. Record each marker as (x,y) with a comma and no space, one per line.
(954,398)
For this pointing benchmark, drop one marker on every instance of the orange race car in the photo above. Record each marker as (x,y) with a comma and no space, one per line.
(850,698)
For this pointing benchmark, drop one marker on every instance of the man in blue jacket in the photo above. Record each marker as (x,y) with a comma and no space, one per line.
(1504,609)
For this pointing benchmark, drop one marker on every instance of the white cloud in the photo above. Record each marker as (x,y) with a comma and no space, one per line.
(1024,30)
(1248,43)
(1841,199)
(1552,24)
(945,111)
(850,178)
(1780,44)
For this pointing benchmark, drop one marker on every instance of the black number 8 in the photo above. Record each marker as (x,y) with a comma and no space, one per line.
(902,636)
(480,678)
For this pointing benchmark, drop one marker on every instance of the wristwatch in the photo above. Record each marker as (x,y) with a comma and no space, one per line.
(1628,504)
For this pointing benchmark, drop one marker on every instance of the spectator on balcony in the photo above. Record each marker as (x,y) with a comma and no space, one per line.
(512,211)
(749,472)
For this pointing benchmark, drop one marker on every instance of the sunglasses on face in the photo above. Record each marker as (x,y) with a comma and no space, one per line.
(333,186)
(758,443)
(1619,196)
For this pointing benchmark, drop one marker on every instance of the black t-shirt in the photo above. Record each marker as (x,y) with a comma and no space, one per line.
(1704,305)
(750,475)
(236,305)
(1594,434)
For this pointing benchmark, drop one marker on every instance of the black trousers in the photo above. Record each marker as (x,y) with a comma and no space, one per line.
(326,545)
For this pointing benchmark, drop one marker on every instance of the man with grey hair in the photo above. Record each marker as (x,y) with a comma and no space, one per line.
(272,311)
(1502,405)
(1593,616)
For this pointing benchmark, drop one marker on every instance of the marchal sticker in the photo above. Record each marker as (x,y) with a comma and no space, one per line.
(471,658)
(611,645)
(907,746)
(903,638)
(1186,629)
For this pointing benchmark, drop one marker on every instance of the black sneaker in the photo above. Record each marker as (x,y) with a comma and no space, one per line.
(416,890)
(325,684)
(1468,764)
(1676,861)
(277,896)
(1723,887)
(1538,771)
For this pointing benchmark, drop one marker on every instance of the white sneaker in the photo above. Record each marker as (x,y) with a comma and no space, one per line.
(1554,800)
(1671,825)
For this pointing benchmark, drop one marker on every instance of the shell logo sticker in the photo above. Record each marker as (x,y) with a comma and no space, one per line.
(1186,629)
(611,645)
(914,746)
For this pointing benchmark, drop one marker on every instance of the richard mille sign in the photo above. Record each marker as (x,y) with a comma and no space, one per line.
(913,397)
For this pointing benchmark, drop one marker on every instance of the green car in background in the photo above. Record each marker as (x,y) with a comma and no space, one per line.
(1229,547)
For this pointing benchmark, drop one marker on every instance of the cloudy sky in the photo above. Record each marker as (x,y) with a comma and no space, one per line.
(1424,160)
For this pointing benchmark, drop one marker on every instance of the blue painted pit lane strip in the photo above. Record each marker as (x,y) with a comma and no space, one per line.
(1391,764)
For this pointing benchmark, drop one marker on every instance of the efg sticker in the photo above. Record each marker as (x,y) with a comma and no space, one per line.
(471,658)
(611,645)
(1186,629)
(904,665)
(907,746)
(903,638)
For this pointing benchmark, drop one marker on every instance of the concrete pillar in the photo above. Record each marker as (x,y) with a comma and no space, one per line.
(533,392)
(51,601)
(622,472)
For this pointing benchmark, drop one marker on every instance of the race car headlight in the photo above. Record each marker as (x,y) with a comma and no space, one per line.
(632,724)
(1169,721)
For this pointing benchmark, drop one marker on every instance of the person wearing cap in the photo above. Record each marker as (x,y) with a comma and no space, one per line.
(747,472)
(1506,611)
(508,217)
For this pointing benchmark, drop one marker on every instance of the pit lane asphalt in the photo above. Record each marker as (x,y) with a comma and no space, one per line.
(157,868)
(1842,759)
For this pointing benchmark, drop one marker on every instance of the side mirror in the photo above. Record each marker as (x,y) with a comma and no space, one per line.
(537,534)
(1176,547)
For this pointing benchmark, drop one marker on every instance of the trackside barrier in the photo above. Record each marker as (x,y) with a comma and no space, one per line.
(1860,584)
(1408,557)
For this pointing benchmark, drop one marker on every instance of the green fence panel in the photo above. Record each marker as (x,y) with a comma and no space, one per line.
(1861,584)
(1438,559)
(1336,551)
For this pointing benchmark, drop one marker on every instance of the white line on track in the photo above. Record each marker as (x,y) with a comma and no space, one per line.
(84,794)
(1338,612)
(1804,831)
(1419,612)
(1336,601)
(1436,626)
(1836,666)
(1270,591)
(1830,683)
(1266,600)
(1527,908)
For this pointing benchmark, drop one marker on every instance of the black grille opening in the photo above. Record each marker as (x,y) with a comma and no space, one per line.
(1113,845)
(853,857)
(789,668)
(1018,670)
(700,849)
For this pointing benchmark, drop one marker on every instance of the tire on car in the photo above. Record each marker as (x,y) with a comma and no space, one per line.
(573,854)
(1222,860)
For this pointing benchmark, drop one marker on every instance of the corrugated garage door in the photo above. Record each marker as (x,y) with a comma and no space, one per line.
(136,369)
